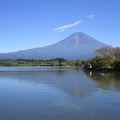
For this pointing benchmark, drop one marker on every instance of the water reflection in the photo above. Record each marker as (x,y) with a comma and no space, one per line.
(105,80)
(50,94)
(73,82)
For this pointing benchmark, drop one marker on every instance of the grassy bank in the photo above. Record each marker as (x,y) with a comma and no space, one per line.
(108,59)
(33,62)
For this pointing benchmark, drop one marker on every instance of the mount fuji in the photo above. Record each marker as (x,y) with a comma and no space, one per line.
(76,46)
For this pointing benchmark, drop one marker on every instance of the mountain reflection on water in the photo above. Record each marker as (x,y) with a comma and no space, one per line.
(50,93)
(74,82)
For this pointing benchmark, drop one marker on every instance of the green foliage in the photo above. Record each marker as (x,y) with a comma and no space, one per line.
(59,60)
(38,62)
(105,51)
(109,51)
(116,65)
(109,59)
(98,62)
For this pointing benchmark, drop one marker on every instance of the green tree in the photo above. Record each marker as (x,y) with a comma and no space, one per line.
(60,61)
(105,51)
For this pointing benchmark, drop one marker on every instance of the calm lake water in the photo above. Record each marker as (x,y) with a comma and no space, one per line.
(54,93)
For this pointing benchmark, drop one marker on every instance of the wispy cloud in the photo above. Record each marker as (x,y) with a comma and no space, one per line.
(63,28)
(91,16)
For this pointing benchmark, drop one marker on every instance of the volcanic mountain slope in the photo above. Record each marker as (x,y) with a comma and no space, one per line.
(76,46)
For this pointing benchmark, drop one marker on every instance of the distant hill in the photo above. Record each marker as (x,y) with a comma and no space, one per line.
(77,46)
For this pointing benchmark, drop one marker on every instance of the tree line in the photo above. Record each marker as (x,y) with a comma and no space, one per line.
(107,58)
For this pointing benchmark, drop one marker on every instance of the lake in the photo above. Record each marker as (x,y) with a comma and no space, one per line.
(58,93)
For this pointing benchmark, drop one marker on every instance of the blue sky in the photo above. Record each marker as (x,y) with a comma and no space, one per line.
(35,23)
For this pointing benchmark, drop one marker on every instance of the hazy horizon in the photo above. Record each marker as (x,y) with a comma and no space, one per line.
(27,24)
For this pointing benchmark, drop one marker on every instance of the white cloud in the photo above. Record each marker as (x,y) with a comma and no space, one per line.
(91,16)
(62,28)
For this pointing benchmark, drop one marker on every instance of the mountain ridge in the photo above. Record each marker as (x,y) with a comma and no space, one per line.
(76,46)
